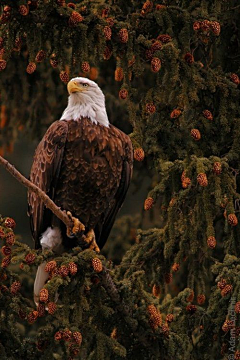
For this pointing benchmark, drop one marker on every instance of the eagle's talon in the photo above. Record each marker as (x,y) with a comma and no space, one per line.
(91,240)
(78,227)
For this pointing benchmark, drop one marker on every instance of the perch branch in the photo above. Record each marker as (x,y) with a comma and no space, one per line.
(62,215)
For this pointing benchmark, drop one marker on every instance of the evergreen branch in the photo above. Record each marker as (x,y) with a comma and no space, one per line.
(62,215)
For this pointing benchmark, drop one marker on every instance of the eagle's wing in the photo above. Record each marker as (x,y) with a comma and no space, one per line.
(44,173)
(103,229)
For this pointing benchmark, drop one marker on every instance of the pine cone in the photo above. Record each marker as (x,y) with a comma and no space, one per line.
(150,108)
(75,19)
(188,57)
(9,223)
(97,265)
(164,38)
(23,10)
(30,258)
(155,64)
(50,266)
(191,309)
(237,307)
(114,333)
(207,114)
(165,329)
(15,287)
(186,182)
(201,299)
(123,94)
(169,318)
(123,35)
(41,310)
(107,53)
(211,242)
(139,154)
(85,67)
(118,74)
(77,336)
(228,324)
(10,238)
(63,271)
(6,250)
(64,77)
(147,7)
(221,284)
(202,179)
(215,27)
(156,45)
(156,290)
(226,290)
(67,335)
(53,61)
(31,68)
(32,317)
(217,168)
(235,79)
(72,268)
(190,297)
(107,32)
(43,295)
(148,203)
(51,307)
(58,336)
(205,25)
(237,355)
(155,316)
(175,113)
(6,261)
(168,278)
(175,267)
(160,7)
(40,56)
(196,25)
(195,134)
(232,219)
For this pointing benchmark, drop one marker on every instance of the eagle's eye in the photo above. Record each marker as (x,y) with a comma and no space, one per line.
(85,85)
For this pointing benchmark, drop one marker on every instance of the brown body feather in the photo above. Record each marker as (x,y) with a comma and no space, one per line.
(86,169)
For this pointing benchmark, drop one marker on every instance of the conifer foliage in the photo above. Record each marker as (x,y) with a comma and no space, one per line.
(175,67)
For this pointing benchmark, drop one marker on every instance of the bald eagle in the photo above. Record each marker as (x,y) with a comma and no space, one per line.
(84,164)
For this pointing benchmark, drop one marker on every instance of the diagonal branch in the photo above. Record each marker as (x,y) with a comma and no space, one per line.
(62,215)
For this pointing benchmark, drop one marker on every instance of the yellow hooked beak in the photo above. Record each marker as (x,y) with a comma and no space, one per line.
(73,87)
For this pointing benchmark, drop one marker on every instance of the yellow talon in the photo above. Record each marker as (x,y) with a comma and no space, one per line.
(78,227)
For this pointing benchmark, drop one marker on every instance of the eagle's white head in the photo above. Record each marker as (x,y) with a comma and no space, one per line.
(86,99)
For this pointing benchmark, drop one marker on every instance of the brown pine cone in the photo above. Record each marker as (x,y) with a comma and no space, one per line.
(237,355)
(221,284)
(156,45)
(165,329)
(188,57)
(6,261)
(114,333)
(75,19)
(175,113)
(147,7)
(6,250)
(186,182)
(201,299)
(15,287)
(77,336)
(53,61)
(72,268)
(156,290)
(202,179)
(169,318)
(32,317)
(228,324)
(155,64)
(67,335)
(41,55)
(118,74)
(207,114)
(9,223)
(205,25)
(50,266)
(190,297)
(31,68)
(155,316)
(148,203)
(138,154)
(226,290)
(107,32)
(52,307)
(211,242)
(175,267)
(195,134)
(107,53)
(168,278)
(85,67)
(191,309)
(64,77)
(30,258)
(196,25)
(235,79)
(41,310)
(58,335)
(164,38)
(123,35)
(63,271)
(150,108)
(123,94)
(43,295)
(160,7)
(232,219)
(23,10)
(237,307)
(97,265)
(215,27)
(217,168)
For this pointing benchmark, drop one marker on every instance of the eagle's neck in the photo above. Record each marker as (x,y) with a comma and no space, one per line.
(81,107)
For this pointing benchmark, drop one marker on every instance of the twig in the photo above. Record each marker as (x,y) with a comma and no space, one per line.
(41,194)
